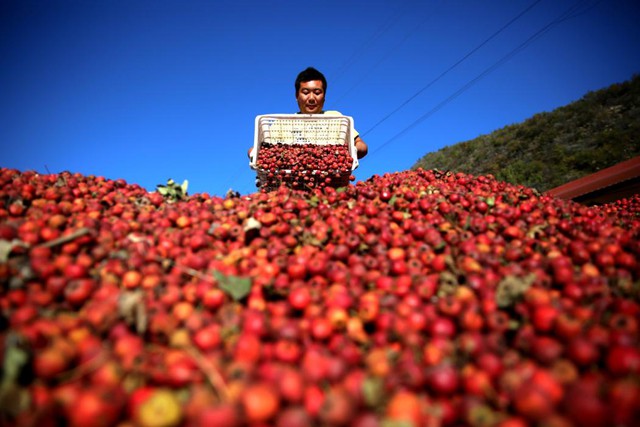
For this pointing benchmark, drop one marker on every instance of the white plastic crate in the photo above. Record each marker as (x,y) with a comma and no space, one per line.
(315,129)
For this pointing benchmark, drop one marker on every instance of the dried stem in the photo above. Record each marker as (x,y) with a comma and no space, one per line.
(65,239)
(210,371)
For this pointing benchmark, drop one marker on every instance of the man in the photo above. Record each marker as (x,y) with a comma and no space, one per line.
(311,87)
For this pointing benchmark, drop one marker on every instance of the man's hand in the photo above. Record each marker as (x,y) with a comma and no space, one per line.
(361,147)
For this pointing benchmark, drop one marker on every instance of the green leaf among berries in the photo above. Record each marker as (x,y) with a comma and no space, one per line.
(173,192)
(236,287)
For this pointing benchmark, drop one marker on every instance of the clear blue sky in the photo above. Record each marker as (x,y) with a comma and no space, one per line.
(147,90)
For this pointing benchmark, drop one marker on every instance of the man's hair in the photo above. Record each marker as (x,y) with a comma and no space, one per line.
(310,74)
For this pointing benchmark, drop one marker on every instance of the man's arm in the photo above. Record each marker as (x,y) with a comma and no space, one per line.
(361,147)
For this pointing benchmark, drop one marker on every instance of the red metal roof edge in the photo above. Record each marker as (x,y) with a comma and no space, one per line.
(604,178)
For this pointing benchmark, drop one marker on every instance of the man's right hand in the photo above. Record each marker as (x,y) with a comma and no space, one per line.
(361,147)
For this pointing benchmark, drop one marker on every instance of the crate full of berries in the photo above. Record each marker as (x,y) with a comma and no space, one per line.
(303,151)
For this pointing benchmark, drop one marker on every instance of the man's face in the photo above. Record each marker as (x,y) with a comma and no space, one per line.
(310,97)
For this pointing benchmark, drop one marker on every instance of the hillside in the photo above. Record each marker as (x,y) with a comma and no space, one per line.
(553,148)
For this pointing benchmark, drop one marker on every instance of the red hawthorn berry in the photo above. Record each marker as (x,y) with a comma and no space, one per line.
(208,337)
(582,351)
(260,402)
(543,317)
(623,360)
(299,298)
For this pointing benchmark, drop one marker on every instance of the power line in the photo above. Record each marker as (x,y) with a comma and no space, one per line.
(448,70)
(569,13)
(377,34)
(384,58)
(586,9)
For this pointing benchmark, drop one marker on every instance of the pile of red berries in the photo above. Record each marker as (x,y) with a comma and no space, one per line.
(419,298)
(627,210)
(304,166)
